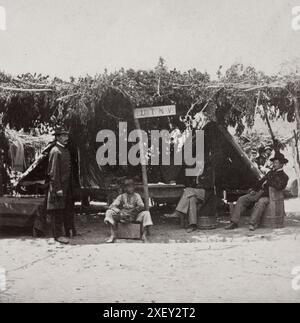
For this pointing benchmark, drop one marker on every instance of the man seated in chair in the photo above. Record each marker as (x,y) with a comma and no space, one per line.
(259,196)
(199,191)
(128,208)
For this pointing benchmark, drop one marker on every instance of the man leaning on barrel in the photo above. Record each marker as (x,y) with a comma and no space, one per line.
(259,196)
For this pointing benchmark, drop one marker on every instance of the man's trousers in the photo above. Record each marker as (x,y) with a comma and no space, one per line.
(189,203)
(62,222)
(57,223)
(144,217)
(256,202)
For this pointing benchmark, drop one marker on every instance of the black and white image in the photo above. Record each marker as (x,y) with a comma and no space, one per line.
(149,153)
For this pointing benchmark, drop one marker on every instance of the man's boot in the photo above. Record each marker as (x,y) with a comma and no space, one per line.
(62,240)
(192,228)
(252,227)
(231,226)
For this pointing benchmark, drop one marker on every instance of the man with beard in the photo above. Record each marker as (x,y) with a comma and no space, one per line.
(60,203)
(259,197)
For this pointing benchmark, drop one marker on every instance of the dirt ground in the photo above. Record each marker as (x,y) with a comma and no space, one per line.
(206,266)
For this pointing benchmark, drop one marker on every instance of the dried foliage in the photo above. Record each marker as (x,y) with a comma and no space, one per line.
(233,99)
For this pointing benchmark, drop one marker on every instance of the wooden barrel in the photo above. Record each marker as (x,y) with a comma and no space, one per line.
(207,213)
(207,222)
(275,213)
(273,222)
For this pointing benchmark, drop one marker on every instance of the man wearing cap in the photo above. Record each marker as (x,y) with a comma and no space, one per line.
(127,208)
(259,196)
(59,196)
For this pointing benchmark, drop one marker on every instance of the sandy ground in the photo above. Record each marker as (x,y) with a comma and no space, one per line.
(207,266)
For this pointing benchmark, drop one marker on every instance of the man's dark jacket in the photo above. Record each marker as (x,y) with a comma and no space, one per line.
(59,172)
(276,179)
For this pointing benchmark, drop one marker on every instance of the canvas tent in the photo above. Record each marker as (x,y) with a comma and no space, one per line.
(233,171)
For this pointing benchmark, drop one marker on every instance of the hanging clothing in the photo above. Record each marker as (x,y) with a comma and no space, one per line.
(17,155)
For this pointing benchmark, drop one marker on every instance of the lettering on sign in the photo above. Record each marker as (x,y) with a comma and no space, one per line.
(155,112)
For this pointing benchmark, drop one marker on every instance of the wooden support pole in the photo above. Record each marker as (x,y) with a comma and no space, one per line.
(143,163)
(1,177)
(275,142)
(1,183)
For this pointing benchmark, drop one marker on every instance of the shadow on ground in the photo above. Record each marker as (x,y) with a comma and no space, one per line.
(93,231)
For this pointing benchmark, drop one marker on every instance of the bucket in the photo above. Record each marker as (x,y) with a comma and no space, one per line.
(207,222)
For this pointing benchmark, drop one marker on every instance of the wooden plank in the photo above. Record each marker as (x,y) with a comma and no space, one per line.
(15,89)
(20,221)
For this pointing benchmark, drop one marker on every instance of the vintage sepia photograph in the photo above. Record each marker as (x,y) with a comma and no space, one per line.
(149,154)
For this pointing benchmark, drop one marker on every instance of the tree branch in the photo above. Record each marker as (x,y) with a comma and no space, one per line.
(25,90)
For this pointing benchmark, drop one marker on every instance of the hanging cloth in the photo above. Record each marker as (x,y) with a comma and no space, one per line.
(17,155)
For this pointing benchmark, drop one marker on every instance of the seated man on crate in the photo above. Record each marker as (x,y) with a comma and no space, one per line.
(128,208)
(259,196)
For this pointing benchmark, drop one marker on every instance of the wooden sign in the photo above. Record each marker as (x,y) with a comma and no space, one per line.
(155,112)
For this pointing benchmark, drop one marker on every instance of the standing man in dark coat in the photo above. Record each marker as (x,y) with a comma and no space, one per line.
(60,204)
(4,177)
(259,196)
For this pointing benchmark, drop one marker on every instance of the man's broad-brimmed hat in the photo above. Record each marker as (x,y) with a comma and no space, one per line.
(280,157)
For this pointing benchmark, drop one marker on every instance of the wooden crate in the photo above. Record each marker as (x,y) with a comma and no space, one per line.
(129,231)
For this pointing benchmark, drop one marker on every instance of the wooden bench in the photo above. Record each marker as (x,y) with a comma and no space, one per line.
(23,212)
